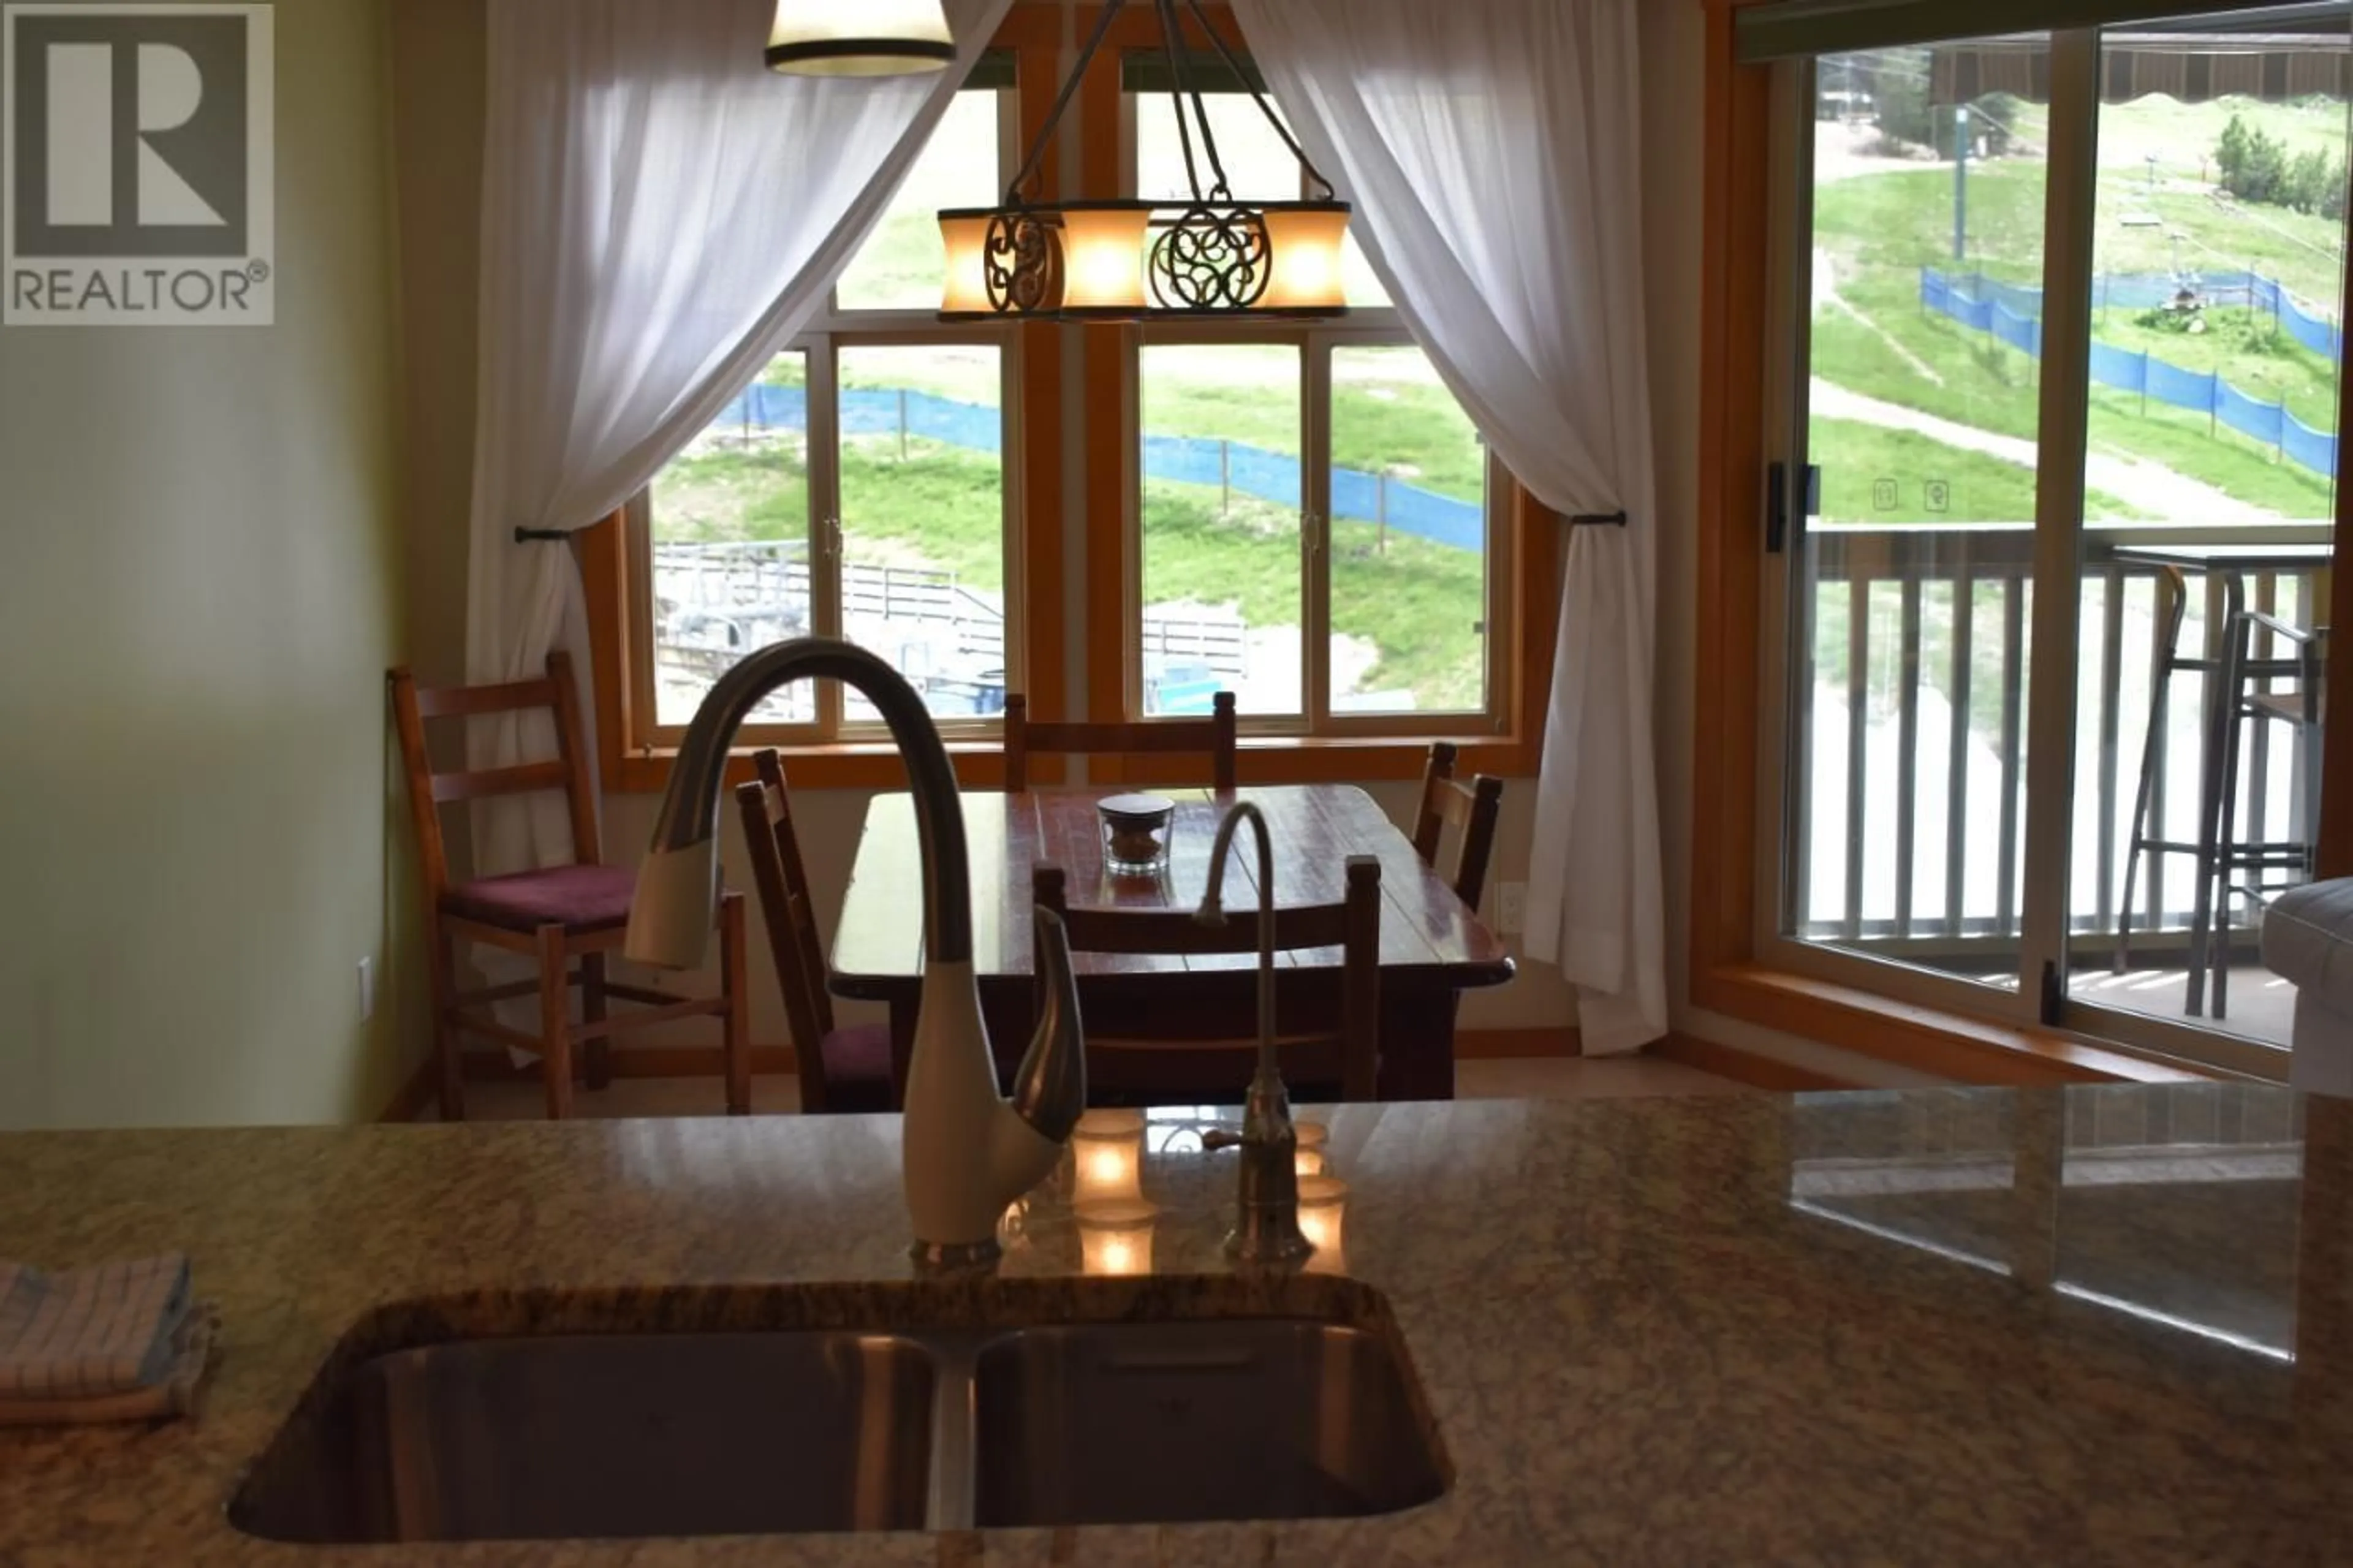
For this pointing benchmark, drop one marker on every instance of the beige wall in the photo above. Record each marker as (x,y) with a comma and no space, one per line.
(200,583)
(438,74)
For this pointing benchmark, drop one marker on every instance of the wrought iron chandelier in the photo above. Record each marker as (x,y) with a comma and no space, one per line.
(860,37)
(1136,261)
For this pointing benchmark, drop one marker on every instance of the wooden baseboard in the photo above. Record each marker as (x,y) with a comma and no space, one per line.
(1514,1044)
(1744,1067)
(413,1096)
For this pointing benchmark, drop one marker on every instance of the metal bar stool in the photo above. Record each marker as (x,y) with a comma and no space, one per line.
(2172,609)
(2251,696)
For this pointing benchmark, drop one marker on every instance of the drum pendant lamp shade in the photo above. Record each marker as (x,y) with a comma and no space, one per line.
(860,37)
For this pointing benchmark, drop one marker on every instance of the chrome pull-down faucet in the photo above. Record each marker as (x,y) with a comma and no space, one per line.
(1266,1223)
(967,1152)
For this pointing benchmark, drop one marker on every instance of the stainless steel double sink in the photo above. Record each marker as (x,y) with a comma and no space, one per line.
(685,1434)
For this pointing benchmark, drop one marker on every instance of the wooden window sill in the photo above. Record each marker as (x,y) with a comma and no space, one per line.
(1320,759)
(1928,1039)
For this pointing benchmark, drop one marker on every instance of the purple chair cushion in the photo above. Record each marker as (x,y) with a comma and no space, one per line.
(856,1069)
(577,897)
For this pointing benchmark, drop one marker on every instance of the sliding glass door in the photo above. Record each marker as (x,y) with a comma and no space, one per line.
(1913,522)
(2060,417)
(2216,344)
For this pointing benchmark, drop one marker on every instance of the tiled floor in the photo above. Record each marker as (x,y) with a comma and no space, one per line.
(1549,1078)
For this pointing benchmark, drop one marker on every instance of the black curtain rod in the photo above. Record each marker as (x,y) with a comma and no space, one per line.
(542,536)
(1598,519)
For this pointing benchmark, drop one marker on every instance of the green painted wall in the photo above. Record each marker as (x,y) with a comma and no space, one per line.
(200,588)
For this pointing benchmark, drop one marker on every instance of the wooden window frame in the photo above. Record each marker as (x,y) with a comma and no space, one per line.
(1525,566)
(1730,892)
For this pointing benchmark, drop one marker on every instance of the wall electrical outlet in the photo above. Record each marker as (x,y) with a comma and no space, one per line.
(1512,906)
(367,989)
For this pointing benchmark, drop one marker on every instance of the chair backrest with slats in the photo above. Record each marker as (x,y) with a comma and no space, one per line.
(1472,809)
(1353,925)
(1213,738)
(789,910)
(415,706)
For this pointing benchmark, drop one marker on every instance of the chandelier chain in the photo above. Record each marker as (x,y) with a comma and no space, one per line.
(1184,89)
(1258,96)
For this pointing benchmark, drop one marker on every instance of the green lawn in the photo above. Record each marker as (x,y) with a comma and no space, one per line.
(717,497)
(1907,217)
(1993,387)
(2248,347)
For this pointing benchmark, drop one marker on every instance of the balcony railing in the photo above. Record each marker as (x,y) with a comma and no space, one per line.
(1908,772)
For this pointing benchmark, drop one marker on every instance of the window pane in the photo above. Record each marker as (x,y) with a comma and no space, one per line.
(1910,602)
(731,534)
(1361,285)
(1258,167)
(902,266)
(923,520)
(1408,539)
(1221,498)
(2217,270)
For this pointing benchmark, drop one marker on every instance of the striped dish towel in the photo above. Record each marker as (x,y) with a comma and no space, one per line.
(117,1342)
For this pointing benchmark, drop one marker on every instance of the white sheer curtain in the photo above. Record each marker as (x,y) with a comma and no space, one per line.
(1490,146)
(660,213)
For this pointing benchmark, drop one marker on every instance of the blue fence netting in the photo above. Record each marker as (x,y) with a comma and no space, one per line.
(2021,332)
(2168,382)
(2012,313)
(1276,478)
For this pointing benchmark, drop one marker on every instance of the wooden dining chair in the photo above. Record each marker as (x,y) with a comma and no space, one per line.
(1472,809)
(1161,1063)
(555,914)
(1212,736)
(841,1069)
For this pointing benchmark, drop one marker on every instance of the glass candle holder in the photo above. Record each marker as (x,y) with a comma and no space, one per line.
(1107,1157)
(1324,1211)
(1308,1162)
(1115,1237)
(1310,1135)
(1135,833)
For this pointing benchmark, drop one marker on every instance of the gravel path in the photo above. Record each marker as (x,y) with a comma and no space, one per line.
(2144,487)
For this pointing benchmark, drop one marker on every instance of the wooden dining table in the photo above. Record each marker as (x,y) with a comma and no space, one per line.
(1432,945)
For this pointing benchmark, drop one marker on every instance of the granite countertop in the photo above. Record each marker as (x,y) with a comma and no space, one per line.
(1943,1327)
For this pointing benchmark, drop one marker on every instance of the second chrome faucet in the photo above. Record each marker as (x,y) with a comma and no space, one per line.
(1266,1224)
